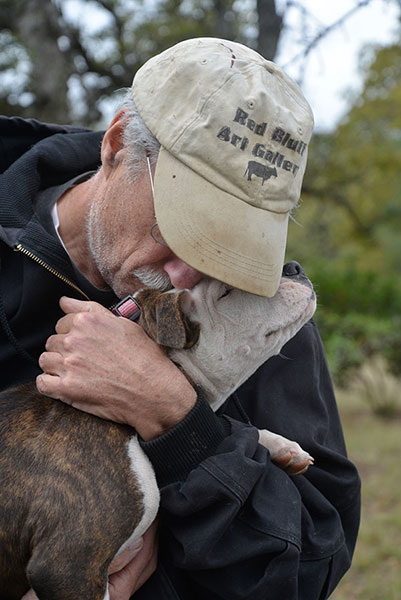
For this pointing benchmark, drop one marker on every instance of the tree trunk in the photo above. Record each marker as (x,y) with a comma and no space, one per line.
(224,27)
(39,27)
(270,24)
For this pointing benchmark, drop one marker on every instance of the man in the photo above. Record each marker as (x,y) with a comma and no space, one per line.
(233,132)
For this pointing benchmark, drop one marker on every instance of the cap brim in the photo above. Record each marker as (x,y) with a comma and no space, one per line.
(216,233)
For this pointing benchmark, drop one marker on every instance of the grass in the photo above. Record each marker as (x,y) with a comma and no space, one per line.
(374,445)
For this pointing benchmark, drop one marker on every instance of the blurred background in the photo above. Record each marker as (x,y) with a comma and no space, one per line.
(67,61)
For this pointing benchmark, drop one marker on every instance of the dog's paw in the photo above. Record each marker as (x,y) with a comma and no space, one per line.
(284,453)
(293,461)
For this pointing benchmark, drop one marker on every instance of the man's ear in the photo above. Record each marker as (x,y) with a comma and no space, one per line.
(164,319)
(112,142)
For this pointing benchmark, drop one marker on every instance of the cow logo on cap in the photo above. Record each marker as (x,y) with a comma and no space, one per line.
(260,170)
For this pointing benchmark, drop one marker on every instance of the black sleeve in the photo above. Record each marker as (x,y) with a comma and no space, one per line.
(234,525)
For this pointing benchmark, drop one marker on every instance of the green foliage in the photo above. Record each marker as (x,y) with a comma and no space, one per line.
(174,20)
(349,241)
(358,316)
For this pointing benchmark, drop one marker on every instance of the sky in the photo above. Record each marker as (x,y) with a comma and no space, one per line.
(332,69)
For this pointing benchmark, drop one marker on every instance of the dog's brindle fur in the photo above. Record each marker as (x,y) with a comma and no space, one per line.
(69,495)
(61,514)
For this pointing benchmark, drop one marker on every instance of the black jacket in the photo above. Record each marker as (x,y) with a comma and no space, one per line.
(233,525)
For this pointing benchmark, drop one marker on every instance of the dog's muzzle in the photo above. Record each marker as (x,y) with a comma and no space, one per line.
(293,270)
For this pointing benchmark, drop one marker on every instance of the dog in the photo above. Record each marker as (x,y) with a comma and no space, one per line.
(78,492)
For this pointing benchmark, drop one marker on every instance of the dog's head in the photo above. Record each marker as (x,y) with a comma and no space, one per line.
(220,335)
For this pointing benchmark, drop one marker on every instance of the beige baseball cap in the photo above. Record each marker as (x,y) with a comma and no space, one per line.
(234,133)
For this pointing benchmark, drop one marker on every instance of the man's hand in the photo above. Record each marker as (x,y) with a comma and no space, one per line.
(108,366)
(126,582)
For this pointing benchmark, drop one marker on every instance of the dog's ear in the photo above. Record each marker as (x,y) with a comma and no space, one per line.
(164,320)
(174,329)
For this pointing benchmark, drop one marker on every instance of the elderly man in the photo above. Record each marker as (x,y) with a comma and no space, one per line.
(198,173)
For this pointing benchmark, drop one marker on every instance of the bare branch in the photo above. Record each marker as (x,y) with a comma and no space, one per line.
(322,34)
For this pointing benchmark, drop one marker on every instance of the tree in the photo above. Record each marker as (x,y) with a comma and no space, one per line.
(353,181)
(49,53)
(57,66)
(351,217)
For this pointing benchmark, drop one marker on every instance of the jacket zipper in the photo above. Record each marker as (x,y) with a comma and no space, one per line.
(20,248)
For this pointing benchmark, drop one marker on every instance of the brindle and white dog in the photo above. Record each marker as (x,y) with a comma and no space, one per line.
(77,492)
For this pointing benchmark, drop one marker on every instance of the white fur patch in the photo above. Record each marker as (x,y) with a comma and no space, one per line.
(145,476)
(107,595)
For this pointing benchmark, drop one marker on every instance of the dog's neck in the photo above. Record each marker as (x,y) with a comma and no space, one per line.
(188,364)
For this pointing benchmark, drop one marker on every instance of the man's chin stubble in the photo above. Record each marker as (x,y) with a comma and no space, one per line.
(148,276)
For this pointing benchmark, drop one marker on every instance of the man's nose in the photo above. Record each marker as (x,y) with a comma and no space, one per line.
(181,275)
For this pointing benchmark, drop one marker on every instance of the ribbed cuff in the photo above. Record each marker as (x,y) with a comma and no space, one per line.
(175,453)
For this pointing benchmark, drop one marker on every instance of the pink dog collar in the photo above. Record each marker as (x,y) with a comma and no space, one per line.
(128,308)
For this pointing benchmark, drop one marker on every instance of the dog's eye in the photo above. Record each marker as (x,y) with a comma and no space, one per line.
(225,293)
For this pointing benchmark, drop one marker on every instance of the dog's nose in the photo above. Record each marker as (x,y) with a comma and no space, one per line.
(294,270)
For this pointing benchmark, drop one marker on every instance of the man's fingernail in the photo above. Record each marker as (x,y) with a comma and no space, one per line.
(39,383)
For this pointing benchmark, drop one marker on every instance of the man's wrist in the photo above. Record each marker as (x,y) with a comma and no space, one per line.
(175,453)
(169,413)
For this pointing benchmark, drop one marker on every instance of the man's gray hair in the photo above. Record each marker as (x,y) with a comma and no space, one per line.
(138,140)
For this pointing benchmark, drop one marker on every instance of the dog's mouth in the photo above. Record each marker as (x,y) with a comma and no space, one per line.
(305,315)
